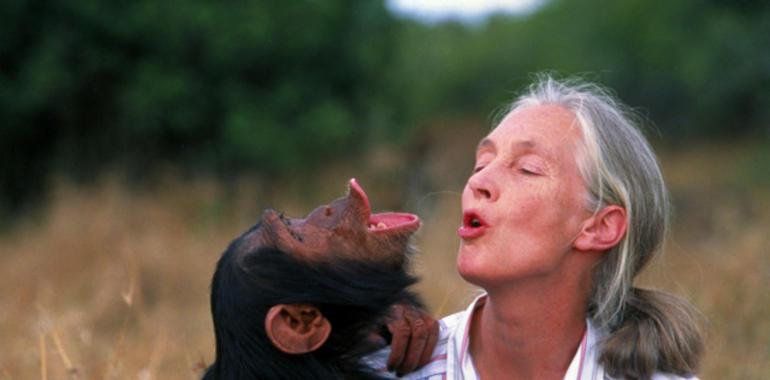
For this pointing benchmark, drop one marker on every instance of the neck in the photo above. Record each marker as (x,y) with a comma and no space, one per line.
(531,328)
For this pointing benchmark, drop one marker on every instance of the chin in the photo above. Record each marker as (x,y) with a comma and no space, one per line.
(469,267)
(488,271)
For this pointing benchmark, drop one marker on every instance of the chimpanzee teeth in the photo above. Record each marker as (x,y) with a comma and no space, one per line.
(378,226)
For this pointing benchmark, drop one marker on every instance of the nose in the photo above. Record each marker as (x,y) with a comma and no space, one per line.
(322,214)
(482,186)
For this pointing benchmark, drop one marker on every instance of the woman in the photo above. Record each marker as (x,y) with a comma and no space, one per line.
(565,206)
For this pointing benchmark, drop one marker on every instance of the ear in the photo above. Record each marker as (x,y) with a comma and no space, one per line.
(296,328)
(602,230)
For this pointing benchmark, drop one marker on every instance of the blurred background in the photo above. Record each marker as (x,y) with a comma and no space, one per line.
(138,138)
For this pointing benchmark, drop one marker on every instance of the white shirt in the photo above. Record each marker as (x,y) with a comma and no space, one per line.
(451,359)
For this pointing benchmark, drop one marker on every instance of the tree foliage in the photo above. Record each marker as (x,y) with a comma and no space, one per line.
(276,87)
(268,86)
(699,68)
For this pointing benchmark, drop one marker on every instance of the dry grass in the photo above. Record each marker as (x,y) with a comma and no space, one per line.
(111,283)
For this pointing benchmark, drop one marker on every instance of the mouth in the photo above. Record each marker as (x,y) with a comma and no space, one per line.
(385,221)
(473,226)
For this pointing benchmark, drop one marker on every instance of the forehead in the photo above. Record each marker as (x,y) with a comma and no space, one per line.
(544,127)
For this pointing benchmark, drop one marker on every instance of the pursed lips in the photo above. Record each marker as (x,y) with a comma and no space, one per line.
(473,225)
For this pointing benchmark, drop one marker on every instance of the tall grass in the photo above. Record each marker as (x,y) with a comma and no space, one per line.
(112,283)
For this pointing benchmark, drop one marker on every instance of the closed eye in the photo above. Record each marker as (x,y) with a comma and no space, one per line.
(297,236)
(530,166)
(527,171)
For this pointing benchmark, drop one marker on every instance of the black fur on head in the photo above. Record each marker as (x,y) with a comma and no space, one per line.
(354,295)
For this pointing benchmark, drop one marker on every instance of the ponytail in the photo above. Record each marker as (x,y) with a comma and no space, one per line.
(658,332)
(649,331)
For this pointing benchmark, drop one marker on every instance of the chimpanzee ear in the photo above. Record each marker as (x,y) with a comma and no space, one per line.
(296,328)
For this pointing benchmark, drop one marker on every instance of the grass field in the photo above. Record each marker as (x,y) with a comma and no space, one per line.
(107,282)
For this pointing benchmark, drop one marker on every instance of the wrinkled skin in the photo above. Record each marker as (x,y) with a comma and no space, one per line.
(345,228)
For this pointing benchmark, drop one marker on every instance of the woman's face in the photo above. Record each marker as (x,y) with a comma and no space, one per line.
(525,202)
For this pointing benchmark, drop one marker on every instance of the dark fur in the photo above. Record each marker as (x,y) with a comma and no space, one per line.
(355,296)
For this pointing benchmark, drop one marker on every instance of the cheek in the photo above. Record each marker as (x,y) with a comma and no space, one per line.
(531,202)
(540,216)
(565,216)
(573,199)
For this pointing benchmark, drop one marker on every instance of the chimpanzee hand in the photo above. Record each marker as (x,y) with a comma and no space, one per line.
(414,335)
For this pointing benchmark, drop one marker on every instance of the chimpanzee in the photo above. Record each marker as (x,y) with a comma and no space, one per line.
(303,298)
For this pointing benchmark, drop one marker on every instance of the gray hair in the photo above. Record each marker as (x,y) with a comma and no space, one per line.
(620,168)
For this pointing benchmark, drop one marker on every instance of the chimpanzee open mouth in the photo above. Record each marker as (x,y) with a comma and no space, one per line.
(385,221)
(301,298)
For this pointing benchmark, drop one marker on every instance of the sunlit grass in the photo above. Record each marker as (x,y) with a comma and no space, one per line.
(111,283)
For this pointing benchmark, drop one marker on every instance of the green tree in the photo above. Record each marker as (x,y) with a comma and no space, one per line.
(265,86)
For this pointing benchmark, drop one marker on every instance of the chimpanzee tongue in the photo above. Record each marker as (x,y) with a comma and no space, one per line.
(386,220)
(357,191)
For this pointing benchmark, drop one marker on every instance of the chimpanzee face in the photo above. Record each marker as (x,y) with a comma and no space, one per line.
(343,229)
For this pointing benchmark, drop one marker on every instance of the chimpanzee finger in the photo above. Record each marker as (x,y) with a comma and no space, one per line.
(433,331)
(400,330)
(419,337)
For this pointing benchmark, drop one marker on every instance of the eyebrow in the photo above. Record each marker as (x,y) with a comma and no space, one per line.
(525,144)
(485,143)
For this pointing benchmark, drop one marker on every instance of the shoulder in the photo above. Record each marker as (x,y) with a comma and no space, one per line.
(436,367)
(452,321)
(594,370)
